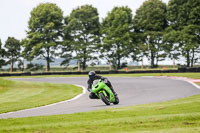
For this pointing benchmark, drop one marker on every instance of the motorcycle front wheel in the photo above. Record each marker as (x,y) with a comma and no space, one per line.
(104,98)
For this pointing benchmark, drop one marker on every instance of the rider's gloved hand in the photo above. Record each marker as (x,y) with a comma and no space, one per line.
(102,78)
(105,80)
(89,89)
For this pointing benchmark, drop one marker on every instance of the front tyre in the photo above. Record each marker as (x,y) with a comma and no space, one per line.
(104,98)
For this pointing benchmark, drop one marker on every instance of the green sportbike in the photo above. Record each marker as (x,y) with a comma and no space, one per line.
(103,92)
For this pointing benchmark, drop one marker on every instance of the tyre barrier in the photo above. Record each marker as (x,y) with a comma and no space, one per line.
(15,74)
(189,69)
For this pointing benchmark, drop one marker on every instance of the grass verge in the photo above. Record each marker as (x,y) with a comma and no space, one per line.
(177,116)
(17,95)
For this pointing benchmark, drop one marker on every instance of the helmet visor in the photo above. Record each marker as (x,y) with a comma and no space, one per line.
(91,77)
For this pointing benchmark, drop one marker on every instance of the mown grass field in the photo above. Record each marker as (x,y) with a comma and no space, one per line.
(176,116)
(17,95)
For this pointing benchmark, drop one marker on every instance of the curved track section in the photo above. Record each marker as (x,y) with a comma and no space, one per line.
(131,91)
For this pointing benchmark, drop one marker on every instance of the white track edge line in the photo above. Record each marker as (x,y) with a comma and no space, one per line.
(195,85)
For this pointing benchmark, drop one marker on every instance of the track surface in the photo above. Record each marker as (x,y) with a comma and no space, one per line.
(131,91)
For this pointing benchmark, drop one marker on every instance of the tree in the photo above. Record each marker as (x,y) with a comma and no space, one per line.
(13,48)
(27,50)
(190,46)
(82,32)
(172,49)
(183,17)
(67,45)
(138,49)
(2,54)
(150,20)
(116,35)
(45,32)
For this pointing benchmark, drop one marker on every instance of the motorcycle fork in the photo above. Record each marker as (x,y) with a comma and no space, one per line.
(110,93)
(104,92)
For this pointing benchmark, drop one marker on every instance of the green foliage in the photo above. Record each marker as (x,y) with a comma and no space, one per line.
(116,33)
(150,21)
(67,57)
(13,50)
(27,51)
(66,47)
(137,49)
(82,32)
(45,29)
(183,17)
(169,38)
(2,54)
(150,16)
(190,45)
(34,67)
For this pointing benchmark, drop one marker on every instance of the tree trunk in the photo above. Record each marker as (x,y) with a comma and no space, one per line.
(174,63)
(23,66)
(84,64)
(118,61)
(142,67)
(118,64)
(118,57)
(84,58)
(192,60)
(152,60)
(110,63)
(11,66)
(48,60)
(84,61)
(48,64)
(79,66)
(188,59)
(157,60)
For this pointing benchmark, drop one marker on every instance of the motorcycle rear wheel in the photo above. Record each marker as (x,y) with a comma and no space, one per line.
(104,98)
(116,100)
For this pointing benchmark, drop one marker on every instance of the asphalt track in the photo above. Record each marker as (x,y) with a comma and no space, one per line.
(131,91)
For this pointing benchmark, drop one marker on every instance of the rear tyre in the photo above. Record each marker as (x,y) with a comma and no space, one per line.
(116,100)
(104,98)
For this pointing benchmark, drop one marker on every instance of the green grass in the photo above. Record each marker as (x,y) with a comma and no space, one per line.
(177,116)
(17,95)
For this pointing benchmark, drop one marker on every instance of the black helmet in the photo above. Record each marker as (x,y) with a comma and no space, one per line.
(92,75)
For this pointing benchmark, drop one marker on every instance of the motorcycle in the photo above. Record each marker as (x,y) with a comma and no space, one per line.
(103,92)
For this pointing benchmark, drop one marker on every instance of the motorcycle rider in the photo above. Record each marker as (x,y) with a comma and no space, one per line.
(92,76)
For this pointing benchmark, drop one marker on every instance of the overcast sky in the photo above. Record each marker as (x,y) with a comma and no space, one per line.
(14,14)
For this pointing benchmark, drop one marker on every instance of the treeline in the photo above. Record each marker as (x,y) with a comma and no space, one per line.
(157,31)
